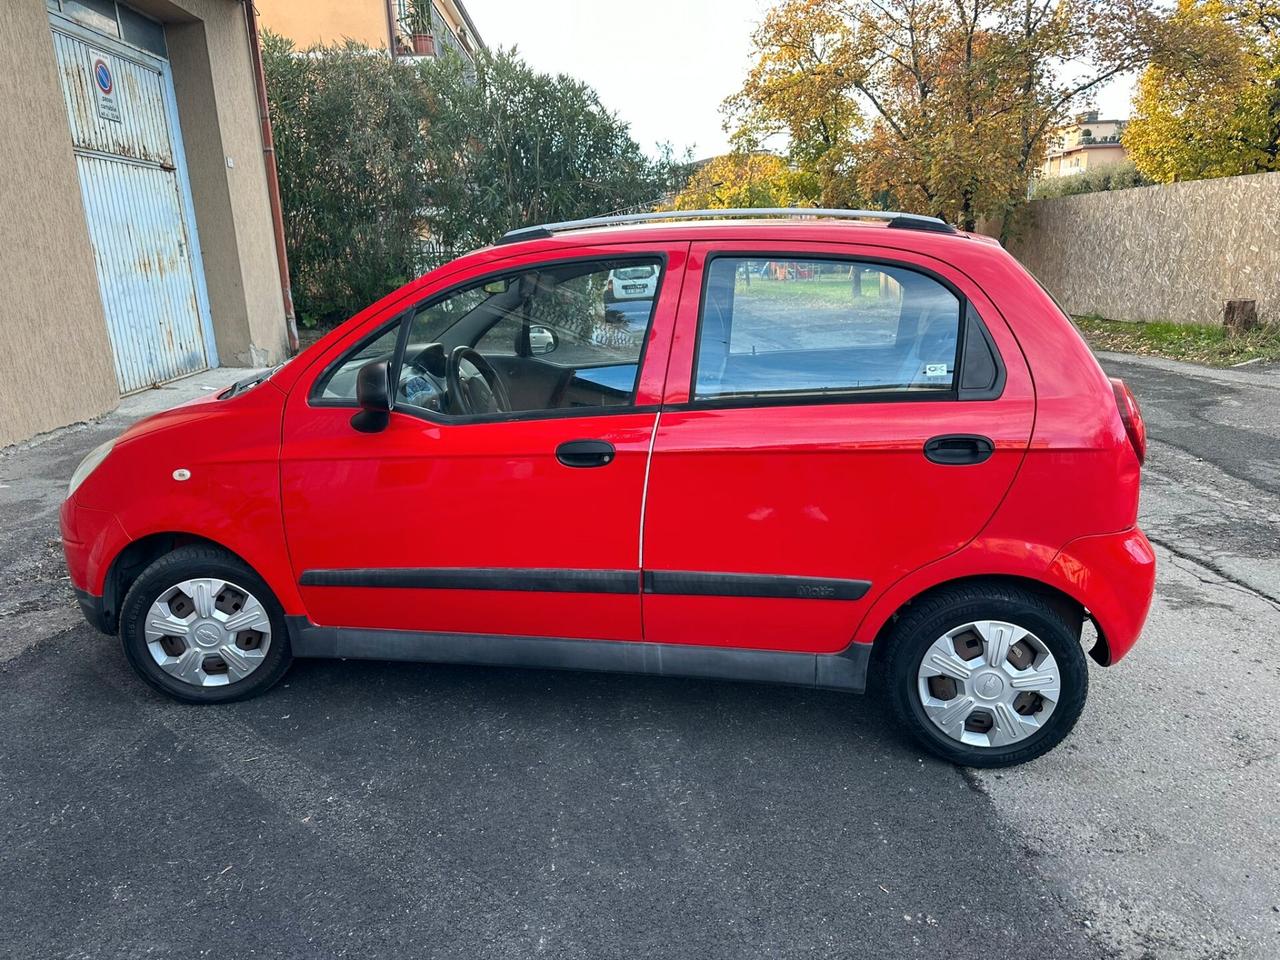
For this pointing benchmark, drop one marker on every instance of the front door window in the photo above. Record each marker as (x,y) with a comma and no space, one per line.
(559,337)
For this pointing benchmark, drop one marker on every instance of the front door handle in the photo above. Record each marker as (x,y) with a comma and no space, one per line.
(958,449)
(585,453)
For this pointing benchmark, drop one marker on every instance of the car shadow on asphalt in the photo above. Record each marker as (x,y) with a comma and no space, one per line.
(613,701)
(391,808)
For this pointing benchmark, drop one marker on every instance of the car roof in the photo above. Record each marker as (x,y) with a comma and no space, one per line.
(798,228)
(893,218)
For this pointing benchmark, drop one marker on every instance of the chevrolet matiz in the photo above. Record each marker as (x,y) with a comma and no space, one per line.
(837,449)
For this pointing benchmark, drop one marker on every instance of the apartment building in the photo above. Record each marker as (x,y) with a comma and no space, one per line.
(405,28)
(1086,143)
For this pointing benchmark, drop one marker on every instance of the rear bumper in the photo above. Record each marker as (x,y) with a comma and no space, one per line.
(1114,576)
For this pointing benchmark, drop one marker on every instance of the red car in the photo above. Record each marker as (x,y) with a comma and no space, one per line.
(831,452)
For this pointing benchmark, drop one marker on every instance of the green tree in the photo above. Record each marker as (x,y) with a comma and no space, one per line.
(384,164)
(800,87)
(510,146)
(350,154)
(1209,103)
(1117,176)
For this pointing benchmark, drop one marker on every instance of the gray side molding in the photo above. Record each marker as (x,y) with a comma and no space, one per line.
(843,671)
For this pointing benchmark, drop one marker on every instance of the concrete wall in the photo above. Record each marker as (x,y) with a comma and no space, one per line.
(1172,252)
(56,365)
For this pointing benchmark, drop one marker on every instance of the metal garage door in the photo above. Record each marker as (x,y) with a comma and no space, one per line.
(128,150)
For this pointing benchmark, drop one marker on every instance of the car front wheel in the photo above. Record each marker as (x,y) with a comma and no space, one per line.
(986,675)
(201,626)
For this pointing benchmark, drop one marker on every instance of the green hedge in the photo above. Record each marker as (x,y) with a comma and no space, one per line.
(1120,176)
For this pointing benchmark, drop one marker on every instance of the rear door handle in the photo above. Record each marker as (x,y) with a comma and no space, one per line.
(585,453)
(958,449)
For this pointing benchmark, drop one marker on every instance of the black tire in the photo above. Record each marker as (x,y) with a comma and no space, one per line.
(187,563)
(925,621)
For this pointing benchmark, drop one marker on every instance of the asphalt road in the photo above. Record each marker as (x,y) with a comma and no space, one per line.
(366,809)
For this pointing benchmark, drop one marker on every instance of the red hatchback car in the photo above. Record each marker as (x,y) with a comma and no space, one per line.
(819,450)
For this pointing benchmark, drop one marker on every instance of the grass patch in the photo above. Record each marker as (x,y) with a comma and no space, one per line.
(835,290)
(1197,343)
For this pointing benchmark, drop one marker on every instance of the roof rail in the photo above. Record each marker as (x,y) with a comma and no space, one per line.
(902,221)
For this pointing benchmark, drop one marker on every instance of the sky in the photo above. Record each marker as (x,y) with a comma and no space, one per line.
(663,66)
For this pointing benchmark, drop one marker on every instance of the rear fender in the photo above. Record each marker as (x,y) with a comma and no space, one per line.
(984,557)
(1111,576)
(1114,577)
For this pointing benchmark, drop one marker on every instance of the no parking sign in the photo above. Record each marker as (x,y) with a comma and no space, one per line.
(104,85)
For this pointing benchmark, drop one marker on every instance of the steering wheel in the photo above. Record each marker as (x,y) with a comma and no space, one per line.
(479,390)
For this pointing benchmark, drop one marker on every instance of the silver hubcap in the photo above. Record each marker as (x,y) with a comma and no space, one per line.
(208,632)
(988,683)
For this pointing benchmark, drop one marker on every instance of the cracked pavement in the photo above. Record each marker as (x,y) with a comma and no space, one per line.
(393,810)
(1161,818)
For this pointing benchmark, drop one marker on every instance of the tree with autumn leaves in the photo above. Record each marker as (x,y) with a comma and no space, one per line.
(1209,103)
(745,178)
(943,107)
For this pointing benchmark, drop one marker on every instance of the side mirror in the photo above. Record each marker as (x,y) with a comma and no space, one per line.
(542,340)
(373,392)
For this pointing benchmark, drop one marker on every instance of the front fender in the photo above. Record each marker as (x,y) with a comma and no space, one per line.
(208,470)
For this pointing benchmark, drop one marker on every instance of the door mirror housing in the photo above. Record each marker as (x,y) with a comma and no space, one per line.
(373,392)
(542,340)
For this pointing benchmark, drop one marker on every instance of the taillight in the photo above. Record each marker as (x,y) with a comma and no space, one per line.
(1131,416)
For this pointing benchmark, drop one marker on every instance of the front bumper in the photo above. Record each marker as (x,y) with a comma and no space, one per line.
(1114,576)
(91,539)
(95,611)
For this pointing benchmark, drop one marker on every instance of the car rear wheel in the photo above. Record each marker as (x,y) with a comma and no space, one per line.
(201,626)
(986,676)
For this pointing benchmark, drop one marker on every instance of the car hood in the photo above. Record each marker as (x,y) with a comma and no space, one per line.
(227,401)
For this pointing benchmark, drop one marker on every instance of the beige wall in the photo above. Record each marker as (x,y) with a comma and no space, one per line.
(217,104)
(1098,129)
(1172,252)
(56,364)
(328,22)
(309,22)
(55,360)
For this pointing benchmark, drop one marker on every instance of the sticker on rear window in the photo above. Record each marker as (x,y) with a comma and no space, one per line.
(935,369)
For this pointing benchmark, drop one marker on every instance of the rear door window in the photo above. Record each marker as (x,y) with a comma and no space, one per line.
(812,327)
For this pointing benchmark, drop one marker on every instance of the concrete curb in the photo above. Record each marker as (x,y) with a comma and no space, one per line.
(1263,375)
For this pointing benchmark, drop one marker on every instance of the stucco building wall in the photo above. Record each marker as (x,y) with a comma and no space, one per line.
(372,23)
(328,22)
(1170,252)
(1084,158)
(56,362)
(218,107)
(56,365)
